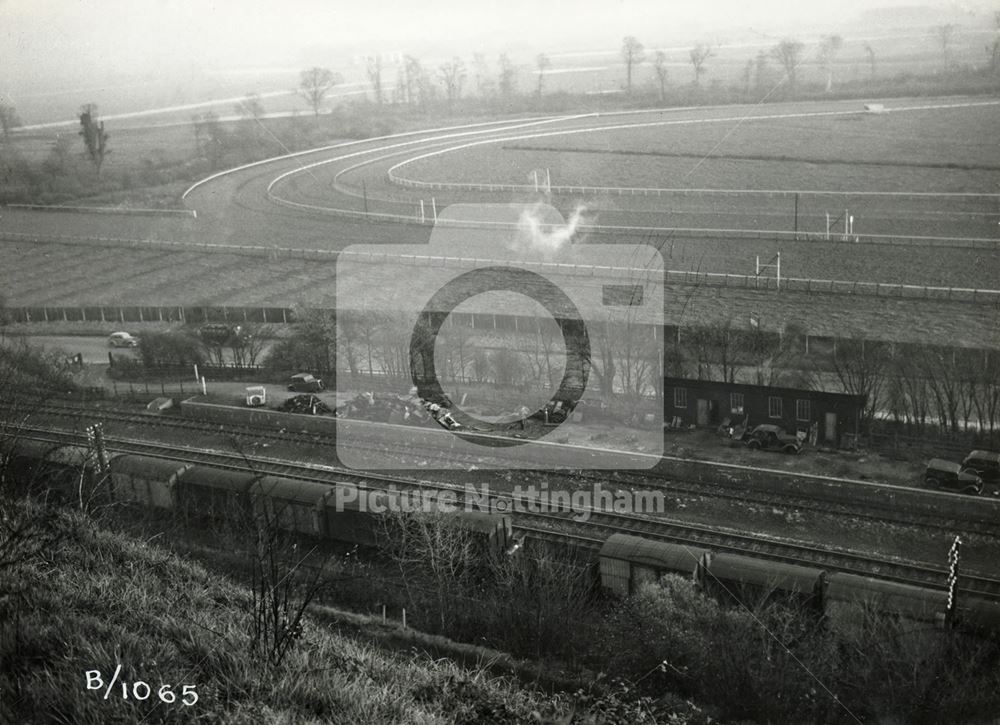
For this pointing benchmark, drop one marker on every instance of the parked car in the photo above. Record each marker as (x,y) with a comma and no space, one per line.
(770,437)
(305,383)
(985,464)
(122,339)
(218,333)
(950,476)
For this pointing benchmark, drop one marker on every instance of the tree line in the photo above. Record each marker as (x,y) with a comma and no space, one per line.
(922,388)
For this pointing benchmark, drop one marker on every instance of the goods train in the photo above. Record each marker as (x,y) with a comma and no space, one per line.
(628,561)
(341,512)
(344,512)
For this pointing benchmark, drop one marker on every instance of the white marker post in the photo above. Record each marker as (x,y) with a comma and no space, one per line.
(434,209)
(196,378)
(422,218)
(203,391)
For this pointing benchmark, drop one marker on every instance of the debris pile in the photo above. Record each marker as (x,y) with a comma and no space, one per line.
(393,408)
(307,404)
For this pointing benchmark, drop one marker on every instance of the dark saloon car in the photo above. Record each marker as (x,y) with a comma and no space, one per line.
(985,464)
(950,476)
(771,437)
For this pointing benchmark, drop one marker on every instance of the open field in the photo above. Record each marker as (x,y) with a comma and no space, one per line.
(947,149)
(940,150)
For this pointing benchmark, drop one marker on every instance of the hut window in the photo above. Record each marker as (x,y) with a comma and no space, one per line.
(803,410)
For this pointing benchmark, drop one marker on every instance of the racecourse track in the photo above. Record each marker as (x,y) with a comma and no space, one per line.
(342,194)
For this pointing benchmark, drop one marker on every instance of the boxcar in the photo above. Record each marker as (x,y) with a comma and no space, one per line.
(354,514)
(293,505)
(628,561)
(215,492)
(146,480)
(906,600)
(747,579)
(978,614)
(495,530)
(50,468)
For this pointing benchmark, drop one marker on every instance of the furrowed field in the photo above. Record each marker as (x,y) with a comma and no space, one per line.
(107,276)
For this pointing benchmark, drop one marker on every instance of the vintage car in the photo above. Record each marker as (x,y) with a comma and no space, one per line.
(122,339)
(950,476)
(770,437)
(985,464)
(305,383)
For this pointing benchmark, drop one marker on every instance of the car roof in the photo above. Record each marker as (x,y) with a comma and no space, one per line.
(984,456)
(942,465)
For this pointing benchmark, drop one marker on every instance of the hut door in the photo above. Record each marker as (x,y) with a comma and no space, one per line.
(830,428)
(702,411)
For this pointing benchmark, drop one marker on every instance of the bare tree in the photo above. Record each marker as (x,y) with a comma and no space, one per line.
(452,74)
(411,84)
(862,367)
(485,86)
(828,50)
(660,68)
(506,76)
(374,71)
(870,53)
(789,54)
(943,34)
(8,119)
(747,76)
(250,107)
(761,69)
(993,50)
(717,346)
(698,55)
(314,84)
(436,558)
(633,53)
(251,110)
(543,63)
(94,137)
(211,138)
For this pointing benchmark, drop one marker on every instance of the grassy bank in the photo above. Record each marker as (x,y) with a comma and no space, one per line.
(87,599)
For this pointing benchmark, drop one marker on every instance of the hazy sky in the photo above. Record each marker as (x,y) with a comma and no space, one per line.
(39,35)
(48,47)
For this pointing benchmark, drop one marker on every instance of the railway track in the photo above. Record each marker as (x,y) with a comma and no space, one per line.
(656,479)
(564,525)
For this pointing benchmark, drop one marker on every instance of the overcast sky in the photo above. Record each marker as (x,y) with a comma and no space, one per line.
(48,33)
(48,45)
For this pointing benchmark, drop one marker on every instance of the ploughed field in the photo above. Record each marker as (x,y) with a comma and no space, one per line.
(69,275)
